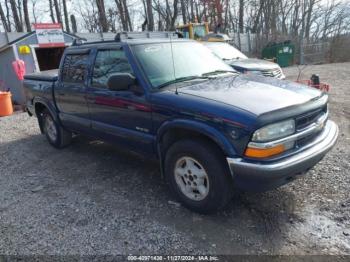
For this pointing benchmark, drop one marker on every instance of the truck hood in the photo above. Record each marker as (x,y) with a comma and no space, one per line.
(254,94)
(253,64)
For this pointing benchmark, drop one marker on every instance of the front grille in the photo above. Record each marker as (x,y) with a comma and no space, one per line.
(309,118)
(308,139)
(276,72)
(304,121)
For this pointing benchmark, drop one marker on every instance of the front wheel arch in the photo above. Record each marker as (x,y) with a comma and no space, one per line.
(184,127)
(173,131)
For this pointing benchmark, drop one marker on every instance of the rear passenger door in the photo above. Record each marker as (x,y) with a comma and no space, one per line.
(70,93)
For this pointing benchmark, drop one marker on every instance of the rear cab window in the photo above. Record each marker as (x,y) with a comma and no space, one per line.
(74,69)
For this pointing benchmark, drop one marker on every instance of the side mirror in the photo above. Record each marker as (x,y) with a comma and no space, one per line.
(120,81)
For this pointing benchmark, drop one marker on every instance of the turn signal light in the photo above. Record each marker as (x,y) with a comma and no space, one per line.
(264,152)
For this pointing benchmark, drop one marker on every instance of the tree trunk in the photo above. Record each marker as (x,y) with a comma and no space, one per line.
(127,15)
(176,12)
(58,11)
(308,19)
(273,19)
(121,12)
(51,12)
(150,19)
(192,18)
(227,7)
(16,19)
(19,8)
(219,13)
(3,19)
(74,24)
(66,18)
(183,11)
(102,15)
(241,16)
(8,16)
(26,15)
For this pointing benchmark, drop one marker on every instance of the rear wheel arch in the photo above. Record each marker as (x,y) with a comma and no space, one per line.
(39,107)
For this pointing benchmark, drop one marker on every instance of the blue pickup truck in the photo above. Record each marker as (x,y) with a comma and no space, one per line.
(213,130)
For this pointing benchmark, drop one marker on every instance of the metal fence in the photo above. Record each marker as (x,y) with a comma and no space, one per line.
(243,41)
(314,53)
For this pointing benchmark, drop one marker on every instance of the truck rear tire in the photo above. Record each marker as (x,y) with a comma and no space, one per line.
(54,132)
(198,175)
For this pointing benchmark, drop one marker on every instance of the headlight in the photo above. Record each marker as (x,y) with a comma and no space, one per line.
(261,147)
(254,72)
(274,131)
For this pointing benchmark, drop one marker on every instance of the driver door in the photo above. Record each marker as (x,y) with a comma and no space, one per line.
(124,116)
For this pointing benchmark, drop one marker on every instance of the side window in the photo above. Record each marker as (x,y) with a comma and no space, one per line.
(109,62)
(74,68)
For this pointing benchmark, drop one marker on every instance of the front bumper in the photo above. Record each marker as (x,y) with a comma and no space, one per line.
(262,176)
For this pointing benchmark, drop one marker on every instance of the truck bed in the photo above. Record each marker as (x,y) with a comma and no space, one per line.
(39,86)
(49,75)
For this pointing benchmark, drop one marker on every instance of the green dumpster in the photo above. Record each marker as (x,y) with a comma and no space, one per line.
(282,53)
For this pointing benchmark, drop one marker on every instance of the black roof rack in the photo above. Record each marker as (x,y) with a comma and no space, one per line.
(128,35)
(78,41)
(145,34)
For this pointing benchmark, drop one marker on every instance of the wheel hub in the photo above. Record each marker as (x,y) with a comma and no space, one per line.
(50,128)
(191,178)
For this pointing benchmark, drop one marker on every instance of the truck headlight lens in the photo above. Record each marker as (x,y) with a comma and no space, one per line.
(260,146)
(254,72)
(274,131)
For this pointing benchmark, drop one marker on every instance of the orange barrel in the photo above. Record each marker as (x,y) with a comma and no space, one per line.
(6,108)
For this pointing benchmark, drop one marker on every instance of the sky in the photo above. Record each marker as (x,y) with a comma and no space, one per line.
(42,14)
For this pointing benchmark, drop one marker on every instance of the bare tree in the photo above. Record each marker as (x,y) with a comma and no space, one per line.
(122,16)
(26,15)
(183,11)
(241,15)
(34,14)
(52,15)
(127,15)
(74,23)
(112,20)
(149,12)
(89,14)
(20,13)
(3,19)
(58,11)
(102,15)
(16,18)
(8,16)
(66,17)
(167,13)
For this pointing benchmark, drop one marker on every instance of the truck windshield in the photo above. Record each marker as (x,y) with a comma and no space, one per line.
(168,62)
(225,51)
(199,31)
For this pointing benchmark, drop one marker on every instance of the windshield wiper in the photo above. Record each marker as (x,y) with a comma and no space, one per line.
(217,72)
(181,79)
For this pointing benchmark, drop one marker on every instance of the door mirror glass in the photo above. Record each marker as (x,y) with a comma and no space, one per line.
(120,81)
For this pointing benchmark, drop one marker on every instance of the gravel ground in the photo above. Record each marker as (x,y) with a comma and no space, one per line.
(91,198)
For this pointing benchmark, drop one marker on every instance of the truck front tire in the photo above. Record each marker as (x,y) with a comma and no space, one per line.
(198,175)
(54,132)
